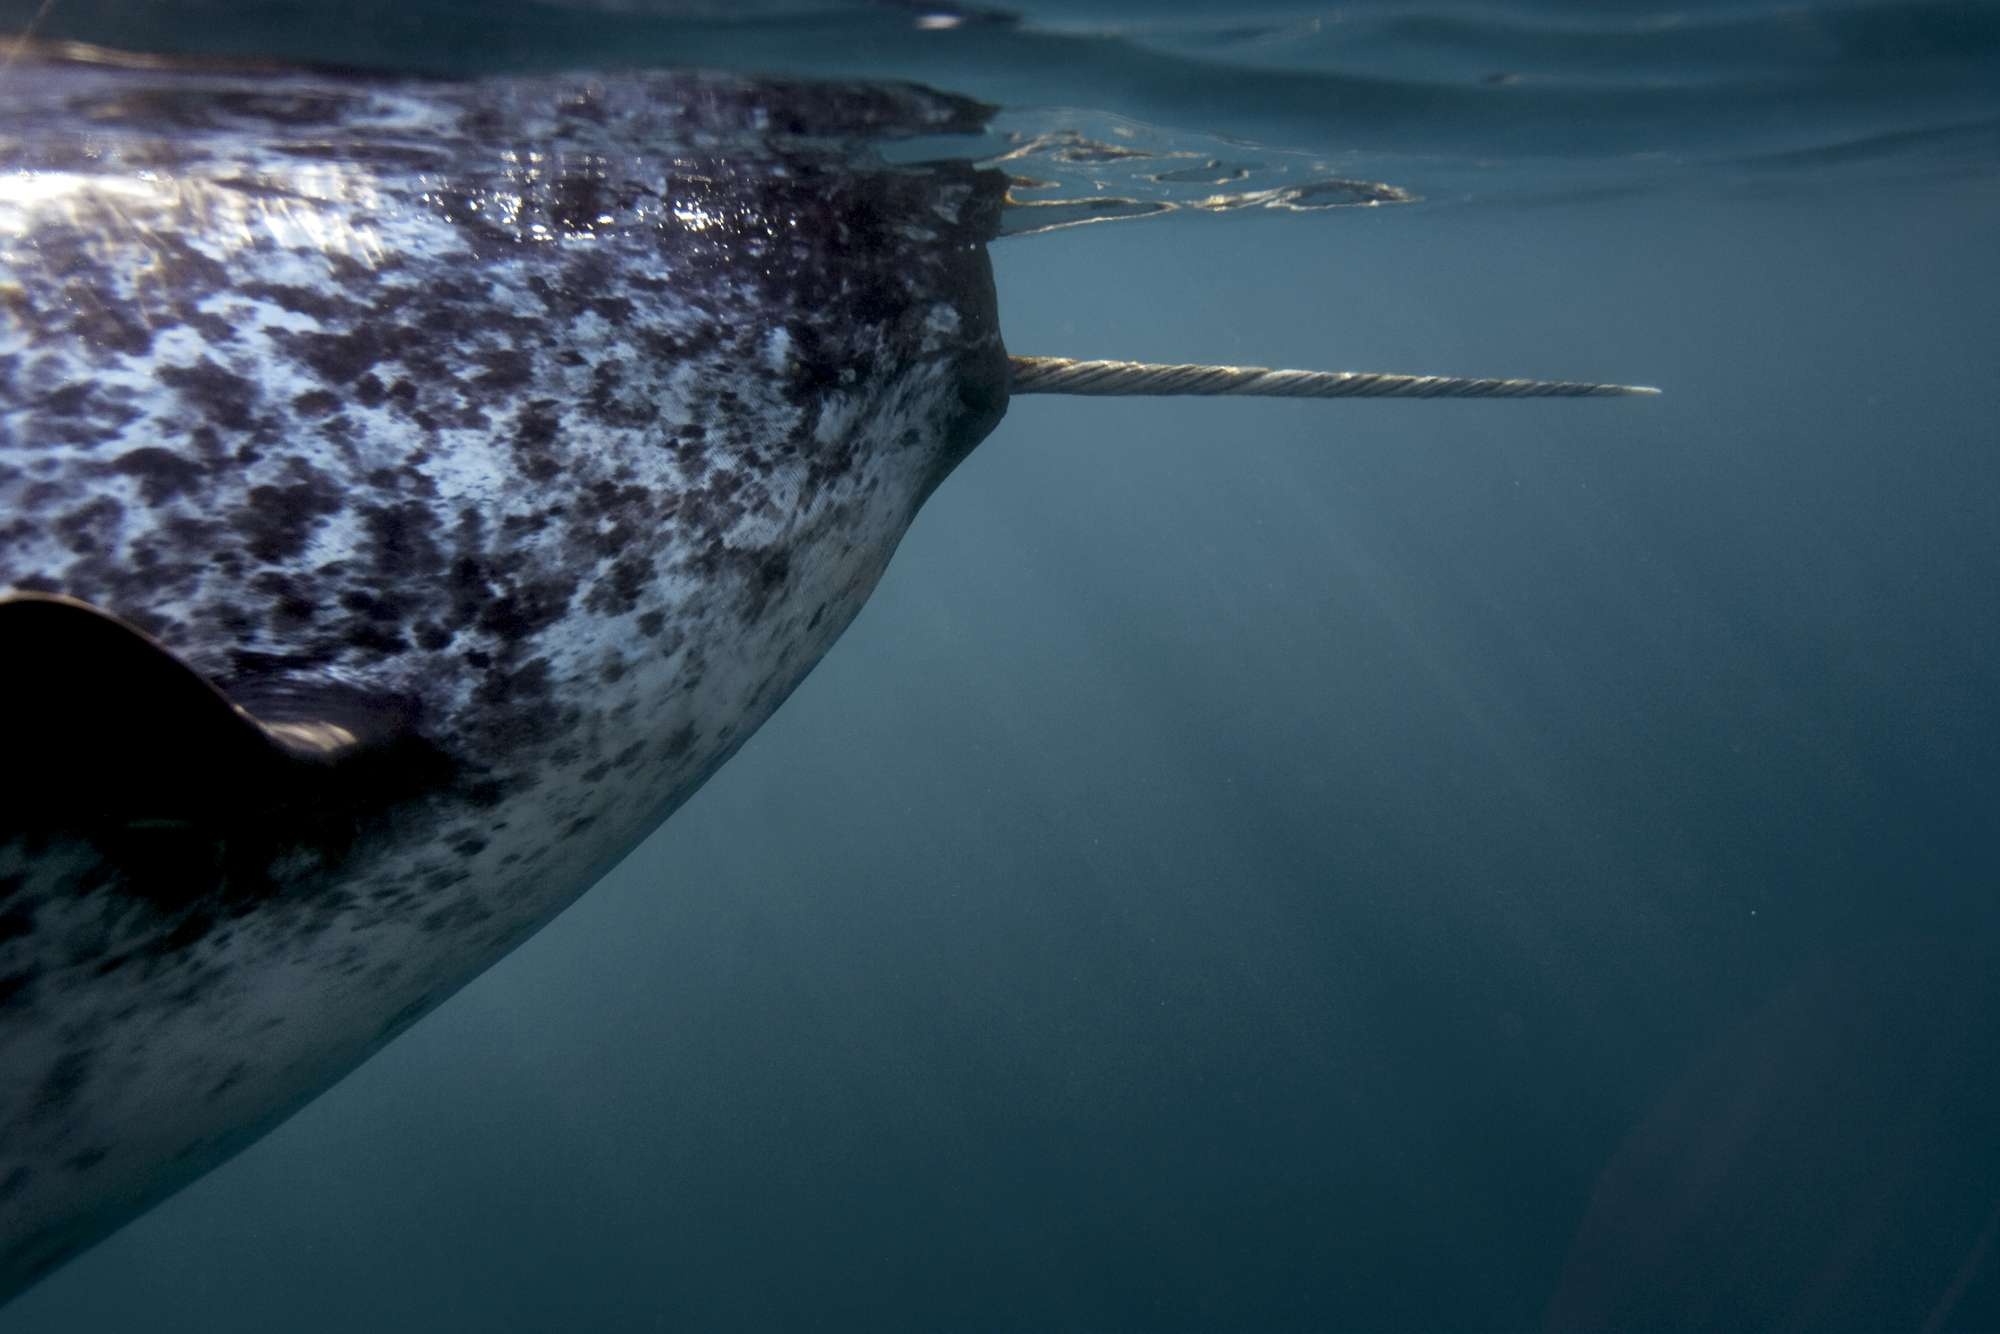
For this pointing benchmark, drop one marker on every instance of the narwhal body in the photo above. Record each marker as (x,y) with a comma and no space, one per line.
(566,423)
(410,492)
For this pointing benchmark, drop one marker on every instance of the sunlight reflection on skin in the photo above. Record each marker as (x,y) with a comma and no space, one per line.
(229,219)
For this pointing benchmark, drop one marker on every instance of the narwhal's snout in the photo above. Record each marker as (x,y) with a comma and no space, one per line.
(981,370)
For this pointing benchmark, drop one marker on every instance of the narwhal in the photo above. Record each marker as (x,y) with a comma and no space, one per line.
(410,492)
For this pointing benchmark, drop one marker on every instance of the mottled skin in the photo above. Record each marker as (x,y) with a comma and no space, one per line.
(567,420)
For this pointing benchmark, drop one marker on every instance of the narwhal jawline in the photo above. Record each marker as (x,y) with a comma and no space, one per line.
(981,374)
(979,368)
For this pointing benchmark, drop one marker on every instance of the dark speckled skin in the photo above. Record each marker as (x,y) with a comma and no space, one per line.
(552,429)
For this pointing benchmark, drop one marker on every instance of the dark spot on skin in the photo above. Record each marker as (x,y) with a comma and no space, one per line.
(15,923)
(534,434)
(292,608)
(622,586)
(229,1080)
(211,326)
(596,773)
(69,401)
(401,540)
(83,1162)
(341,358)
(650,623)
(578,825)
(370,605)
(184,269)
(608,403)
(107,327)
(14,987)
(64,1078)
(461,914)
(629,756)
(279,520)
(310,301)
(371,639)
(161,473)
(516,527)
(486,794)
(504,369)
(87,529)
(468,584)
(222,396)
(523,710)
(578,201)
(189,931)
(14,1182)
(533,606)
(771,571)
(208,444)
(677,745)
(315,403)
(469,847)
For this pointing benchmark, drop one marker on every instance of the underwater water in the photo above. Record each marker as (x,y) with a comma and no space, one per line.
(1290,866)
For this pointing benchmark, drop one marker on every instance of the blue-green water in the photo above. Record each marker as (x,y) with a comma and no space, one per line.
(1293,866)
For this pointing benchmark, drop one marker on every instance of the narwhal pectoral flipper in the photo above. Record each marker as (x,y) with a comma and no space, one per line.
(1062,375)
(107,727)
(156,831)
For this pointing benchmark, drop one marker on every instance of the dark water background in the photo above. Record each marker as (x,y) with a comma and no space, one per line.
(1289,866)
